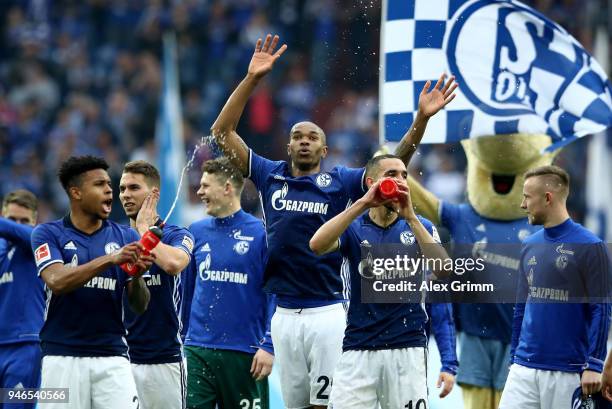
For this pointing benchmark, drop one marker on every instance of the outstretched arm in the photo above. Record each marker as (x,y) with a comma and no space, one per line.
(224,128)
(429,104)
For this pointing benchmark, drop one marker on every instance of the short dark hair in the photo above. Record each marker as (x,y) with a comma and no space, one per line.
(144,168)
(557,175)
(23,198)
(372,164)
(71,170)
(222,166)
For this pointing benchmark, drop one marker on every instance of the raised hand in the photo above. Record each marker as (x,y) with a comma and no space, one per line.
(372,199)
(405,208)
(264,56)
(147,215)
(431,102)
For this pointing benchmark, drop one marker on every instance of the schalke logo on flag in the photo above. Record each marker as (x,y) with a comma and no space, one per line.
(517,71)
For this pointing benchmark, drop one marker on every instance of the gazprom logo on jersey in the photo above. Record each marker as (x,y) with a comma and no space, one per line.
(280,203)
(207,274)
(517,74)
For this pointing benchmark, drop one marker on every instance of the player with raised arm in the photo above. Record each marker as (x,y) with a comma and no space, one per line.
(79,258)
(153,337)
(297,198)
(19,327)
(228,344)
(384,350)
(557,345)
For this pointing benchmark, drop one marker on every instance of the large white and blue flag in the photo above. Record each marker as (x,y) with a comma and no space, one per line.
(169,135)
(517,72)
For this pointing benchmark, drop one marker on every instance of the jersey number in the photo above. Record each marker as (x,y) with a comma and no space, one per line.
(417,404)
(135,399)
(325,381)
(246,404)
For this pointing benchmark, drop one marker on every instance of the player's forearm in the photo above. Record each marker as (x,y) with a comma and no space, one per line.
(407,146)
(15,232)
(224,128)
(425,203)
(431,249)
(62,279)
(170,259)
(598,335)
(326,238)
(138,295)
(232,110)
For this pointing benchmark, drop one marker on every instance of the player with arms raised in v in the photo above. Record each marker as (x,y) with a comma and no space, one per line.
(297,198)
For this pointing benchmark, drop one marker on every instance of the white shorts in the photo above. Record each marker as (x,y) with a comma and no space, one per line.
(307,346)
(93,383)
(528,388)
(393,378)
(161,386)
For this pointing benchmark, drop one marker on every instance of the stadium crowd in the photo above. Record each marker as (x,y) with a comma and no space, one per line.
(83,77)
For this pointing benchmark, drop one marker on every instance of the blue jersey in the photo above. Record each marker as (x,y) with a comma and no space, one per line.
(223,292)
(87,321)
(154,336)
(373,326)
(294,208)
(470,230)
(560,336)
(20,320)
(443,329)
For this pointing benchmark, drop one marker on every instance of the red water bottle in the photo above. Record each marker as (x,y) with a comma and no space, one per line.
(388,189)
(149,240)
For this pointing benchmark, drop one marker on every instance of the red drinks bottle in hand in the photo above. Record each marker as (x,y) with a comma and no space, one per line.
(149,240)
(388,189)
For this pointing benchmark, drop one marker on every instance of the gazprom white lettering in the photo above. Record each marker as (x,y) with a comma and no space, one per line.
(280,203)
(102,283)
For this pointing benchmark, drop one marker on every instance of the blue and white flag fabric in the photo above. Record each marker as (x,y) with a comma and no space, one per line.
(169,135)
(517,72)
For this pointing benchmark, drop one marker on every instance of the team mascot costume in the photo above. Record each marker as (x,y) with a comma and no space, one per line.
(526,89)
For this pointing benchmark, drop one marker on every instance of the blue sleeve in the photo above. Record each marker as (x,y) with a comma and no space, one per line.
(188,277)
(598,336)
(443,329)
(45,247)
(266,343)
(519,308)
(260,168)
(347,241)
(599,324)
(429,226)
(181,239)
(353,180)
(450,215)
(16,233)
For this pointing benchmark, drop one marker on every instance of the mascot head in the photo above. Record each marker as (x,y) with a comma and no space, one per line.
(496,165)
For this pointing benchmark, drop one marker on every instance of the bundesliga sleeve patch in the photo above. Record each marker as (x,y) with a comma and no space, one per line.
(435,234)
(188,243)
(42,254)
